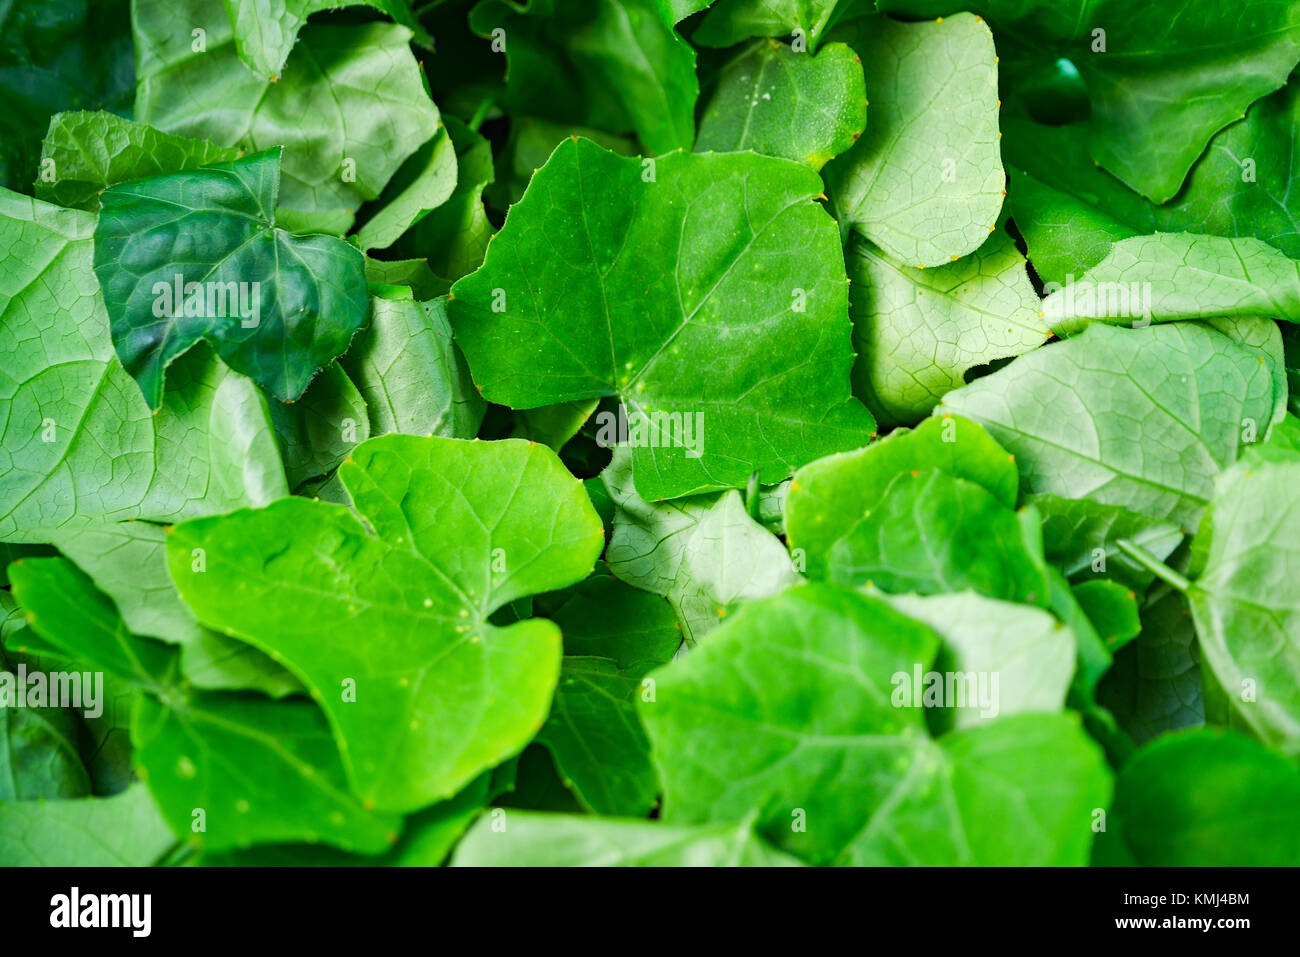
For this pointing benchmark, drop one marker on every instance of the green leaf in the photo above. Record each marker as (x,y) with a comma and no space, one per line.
(453,531)
(236,259)
(934,533)
(1204,798)
(730,21)
(265,31)
(553,425)
(411,375)
(1243,602)
(804,680)
(531,143)
(830,495)
(425,181)
(88,152)
(125,830)
(658,304)
(705,554)
(595,737)
(79,444)
(558,840)
(1143,418)
(1080,537)
(319,430)
(1112,609)
(128,562)
(612,64)
(775,101)
(925,182)
(1022,655)
(918,331)
(38,748)
(1155,684)
(1179,276)
(455,235)
(260,771)
(360,85)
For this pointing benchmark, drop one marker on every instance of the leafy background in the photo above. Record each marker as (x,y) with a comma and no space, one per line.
(367,582)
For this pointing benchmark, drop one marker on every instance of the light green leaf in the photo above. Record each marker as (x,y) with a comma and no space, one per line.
(92,151)
(709,298)
(424,182)
(387,622)
(274,306)
(79,443)
(1081,537)
(1143,418)
(38,745)
(411,375)
(128,562)
(705,554)
(265,30)
(125,830)
(1112,609)
(360,85)
(1179,276)
(775,101)
(917,331)
(1020,659)
(925,181)
(553,425)
(934,533)
(559,840)
(830,495)
(804,679)
(1204,798)
(730,21)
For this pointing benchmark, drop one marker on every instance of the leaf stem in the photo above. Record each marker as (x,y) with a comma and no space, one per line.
(1154,565)
(751,496)
(481,112)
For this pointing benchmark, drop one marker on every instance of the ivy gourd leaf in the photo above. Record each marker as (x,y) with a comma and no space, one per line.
(1070,211)
(259,770)
(561,840)
(38,746)
(705,554)
(569,62)
(360,84)
(917,331)
(265,31)
(829,496)
(125,830)
(1143,418)
(79,443)
(88,152)
(807,680)
(1179,276)
(318,431)
(1028,650)
(1112,610)
(595,737)
(772,100)
(531,143)
(730,21)
(709,297)
(1160,88)
(1245,616)
(233,258)
(925,181)
(128,562)
(1204,797)
(1081,537)
(423,183)
(435,693)
(1154,685)
(553,425)
(454,236)
(935,533)
(410,374)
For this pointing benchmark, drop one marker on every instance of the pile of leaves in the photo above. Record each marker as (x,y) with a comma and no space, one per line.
(650,431)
